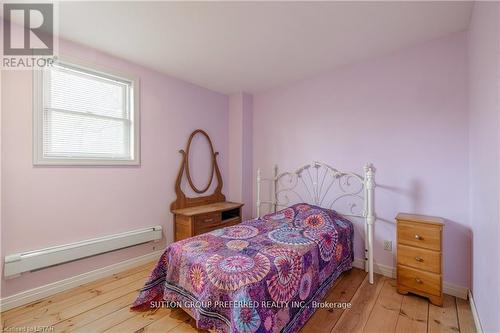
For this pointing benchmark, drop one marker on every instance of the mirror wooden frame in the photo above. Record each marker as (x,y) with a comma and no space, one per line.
(182,200)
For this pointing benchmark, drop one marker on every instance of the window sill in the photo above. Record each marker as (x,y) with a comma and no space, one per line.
(85,162)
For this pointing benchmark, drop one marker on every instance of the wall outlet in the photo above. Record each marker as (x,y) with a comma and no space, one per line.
(387,245)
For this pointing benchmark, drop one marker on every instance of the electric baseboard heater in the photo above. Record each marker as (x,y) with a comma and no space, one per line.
(18,263)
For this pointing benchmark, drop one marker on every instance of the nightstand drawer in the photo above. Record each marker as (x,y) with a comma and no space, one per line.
(419,280)
(415,234)
(419,258)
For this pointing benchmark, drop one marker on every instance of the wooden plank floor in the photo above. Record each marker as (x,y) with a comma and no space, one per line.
(103,306)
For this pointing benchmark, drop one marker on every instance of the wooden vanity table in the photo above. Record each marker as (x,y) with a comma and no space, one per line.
(201,214)
(189,222)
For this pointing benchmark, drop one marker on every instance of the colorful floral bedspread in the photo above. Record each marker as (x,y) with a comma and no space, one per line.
(263,275)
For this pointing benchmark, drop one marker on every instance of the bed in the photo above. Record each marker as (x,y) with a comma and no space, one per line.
(266,274)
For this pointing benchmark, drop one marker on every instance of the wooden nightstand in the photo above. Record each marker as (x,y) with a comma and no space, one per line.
(419,256)
(192,221)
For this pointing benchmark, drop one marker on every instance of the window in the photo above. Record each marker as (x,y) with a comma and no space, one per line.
(84,116)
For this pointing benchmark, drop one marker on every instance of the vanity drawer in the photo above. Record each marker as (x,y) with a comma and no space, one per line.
(416,234)
(425,282)
(419,258)
(207,220)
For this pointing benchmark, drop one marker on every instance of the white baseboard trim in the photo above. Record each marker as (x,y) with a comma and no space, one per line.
(38,293)
(475,314)
(455,290)
(389,271)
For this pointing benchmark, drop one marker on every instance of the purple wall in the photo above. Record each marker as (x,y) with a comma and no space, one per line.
(44,206)
(240,151)
(484,56)
(406,113)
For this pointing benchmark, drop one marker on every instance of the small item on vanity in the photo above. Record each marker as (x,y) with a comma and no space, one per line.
(419,256)
(198,215)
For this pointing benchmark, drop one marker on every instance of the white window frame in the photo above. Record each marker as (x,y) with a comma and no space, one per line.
(38,105)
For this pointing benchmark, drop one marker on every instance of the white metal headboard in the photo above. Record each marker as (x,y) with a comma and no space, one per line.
(322,185)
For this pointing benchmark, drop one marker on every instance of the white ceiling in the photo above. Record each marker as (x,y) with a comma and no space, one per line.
(254,46)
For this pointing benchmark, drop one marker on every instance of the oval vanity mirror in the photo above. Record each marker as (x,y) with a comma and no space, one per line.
(199,164)
(200,161)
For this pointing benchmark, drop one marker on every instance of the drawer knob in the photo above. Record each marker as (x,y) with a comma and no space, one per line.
(209,220)
(417,280)
(419,259)
(418,237)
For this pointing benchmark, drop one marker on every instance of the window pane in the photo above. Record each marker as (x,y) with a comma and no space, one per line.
(82,92)
(85,116)
(82,135)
